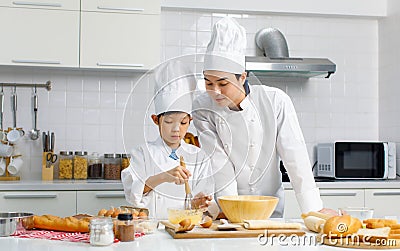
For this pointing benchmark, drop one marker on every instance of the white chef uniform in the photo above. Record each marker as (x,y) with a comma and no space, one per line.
(173,87)
(246,145)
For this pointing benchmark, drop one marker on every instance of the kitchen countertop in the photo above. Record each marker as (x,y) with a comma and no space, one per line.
(104,185)
(161,240)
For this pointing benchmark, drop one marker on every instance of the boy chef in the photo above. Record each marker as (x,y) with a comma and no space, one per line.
(154,178)
(246,129)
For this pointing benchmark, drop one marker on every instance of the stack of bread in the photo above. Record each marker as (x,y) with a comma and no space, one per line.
(114,211)
(381,228)
(346,225)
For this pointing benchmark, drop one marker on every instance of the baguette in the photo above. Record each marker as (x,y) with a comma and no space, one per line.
(270,224)
(314,223)
(379,222)
(317,214)
(67,224)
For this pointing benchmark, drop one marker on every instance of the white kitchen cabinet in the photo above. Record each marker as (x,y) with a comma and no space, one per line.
(43,4)
(332,198)
(119,40)
(385,202)
(60,203)
(90,202)
(126,6)
(39,37)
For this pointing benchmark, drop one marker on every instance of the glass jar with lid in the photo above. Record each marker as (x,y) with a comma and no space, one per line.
(95,167)
(125,230)
(125,161)
(80,165)
(101,231)
(112,166)
(65,165)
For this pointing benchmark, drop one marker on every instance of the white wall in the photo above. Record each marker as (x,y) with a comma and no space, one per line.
(85,109)
(344,107)
(389,66)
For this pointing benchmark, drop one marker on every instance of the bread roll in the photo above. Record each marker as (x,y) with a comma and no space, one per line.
(67,224)
(314,223)
(379,222)
(102,212)
(341,226)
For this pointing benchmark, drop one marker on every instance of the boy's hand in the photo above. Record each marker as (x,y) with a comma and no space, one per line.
(201,200)
(178,175)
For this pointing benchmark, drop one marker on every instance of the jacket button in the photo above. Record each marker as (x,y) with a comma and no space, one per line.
(226,146)
(252,145)
(251,167)
(252,120)
(252,189)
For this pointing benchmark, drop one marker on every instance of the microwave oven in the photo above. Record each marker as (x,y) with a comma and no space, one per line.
(356,160)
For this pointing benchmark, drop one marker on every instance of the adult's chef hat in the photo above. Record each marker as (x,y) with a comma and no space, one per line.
(227,47)
(174,87)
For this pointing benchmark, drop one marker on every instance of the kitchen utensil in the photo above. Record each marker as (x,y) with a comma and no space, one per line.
(13,221)
(34,133)
(2,133)
(15,165)
(188,196)
(2,166)
(44,139)
(51,158)
(52,141)
(14,135)
(361,213)
(247,207)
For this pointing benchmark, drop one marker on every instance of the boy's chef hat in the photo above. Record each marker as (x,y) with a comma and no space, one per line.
(174,87)
(227,47)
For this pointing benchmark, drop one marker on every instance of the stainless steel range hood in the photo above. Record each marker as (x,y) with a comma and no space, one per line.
(277,63)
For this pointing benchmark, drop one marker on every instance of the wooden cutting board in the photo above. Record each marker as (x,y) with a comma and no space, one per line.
(213,232)
(348,243)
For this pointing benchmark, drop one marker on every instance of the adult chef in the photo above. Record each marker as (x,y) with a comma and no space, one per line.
(248,129)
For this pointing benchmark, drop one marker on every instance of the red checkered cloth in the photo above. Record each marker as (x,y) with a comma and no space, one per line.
(60,236)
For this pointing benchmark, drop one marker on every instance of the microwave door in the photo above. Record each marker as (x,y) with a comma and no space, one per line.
(355,160)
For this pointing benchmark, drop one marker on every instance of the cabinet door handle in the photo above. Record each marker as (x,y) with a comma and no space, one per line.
(386,193)
(120,9)
(110,195)
(120,65)
(338,194)
(37,4)
(30,196)
(32,61)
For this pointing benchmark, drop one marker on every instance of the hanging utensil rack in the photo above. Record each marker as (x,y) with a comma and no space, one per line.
(47,85)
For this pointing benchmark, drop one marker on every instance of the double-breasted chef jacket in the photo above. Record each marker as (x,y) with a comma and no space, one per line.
(245,147)
(153,158)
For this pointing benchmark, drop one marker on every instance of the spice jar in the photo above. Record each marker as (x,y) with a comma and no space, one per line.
(95,167)
(125,230)
(80,165)
(65,165)
(112,166)
(101,231)
(125,161)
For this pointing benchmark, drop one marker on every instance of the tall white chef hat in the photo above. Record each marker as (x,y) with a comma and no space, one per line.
(227,47)
(174,87)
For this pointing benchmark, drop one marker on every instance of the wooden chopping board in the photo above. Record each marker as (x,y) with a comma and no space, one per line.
(213,232)
(348,243)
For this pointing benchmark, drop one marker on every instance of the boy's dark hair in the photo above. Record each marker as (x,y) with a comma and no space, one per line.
(168,113)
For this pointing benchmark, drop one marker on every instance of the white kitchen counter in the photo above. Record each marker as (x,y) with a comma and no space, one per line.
(82,185)
(159,240)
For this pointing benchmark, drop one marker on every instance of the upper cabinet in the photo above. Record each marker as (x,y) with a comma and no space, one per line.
(120,34)
(40,33)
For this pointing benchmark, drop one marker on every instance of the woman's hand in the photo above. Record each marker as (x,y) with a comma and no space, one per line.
(177,175)
(201,200)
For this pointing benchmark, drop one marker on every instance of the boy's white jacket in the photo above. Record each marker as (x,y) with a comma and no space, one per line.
(241,143)
(153,158)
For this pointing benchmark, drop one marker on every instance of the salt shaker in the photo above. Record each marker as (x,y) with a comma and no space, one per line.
(101,231)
